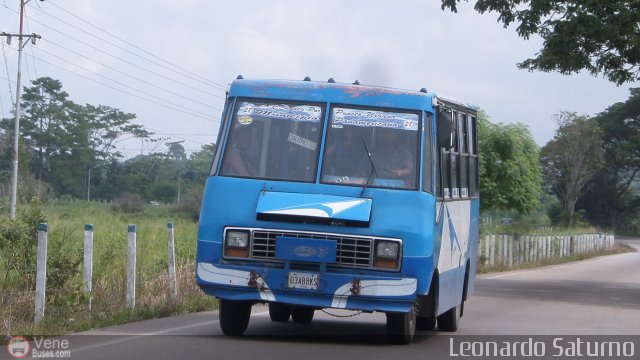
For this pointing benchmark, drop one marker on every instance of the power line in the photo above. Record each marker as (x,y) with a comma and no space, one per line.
(125,92)
(195,78)
(133,45)
(118,58)
(6,66)
(35,72)
(136,78)
(134,65)
(203,115)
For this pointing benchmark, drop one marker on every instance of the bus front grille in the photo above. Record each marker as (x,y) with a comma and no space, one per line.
(350,250)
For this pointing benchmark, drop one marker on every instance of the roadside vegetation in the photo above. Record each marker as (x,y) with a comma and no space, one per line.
(586,179)
(66,308)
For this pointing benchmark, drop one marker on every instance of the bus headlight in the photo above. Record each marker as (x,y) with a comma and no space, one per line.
(387,255)
(387,250)
(236,243)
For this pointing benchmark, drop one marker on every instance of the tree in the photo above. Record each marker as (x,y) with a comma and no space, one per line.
(572,158)
(509,167)
(64,141)
(602,37)
(612,202)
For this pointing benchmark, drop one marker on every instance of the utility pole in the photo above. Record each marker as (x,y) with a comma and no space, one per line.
(16,136)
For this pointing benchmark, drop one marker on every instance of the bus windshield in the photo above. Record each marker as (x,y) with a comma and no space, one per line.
(391,139)
(273,140)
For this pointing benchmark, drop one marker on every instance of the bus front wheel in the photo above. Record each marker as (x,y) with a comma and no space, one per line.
(234,316)
(401,327)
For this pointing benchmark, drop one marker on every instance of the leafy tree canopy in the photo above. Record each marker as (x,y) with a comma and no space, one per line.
(602,37)
(572,158)
(509,167)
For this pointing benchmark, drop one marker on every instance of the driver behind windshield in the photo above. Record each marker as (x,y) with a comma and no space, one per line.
(391,159)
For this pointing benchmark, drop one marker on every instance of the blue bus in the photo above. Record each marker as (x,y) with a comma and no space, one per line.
(346,196)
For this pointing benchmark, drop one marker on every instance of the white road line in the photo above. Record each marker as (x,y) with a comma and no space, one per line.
(131,337)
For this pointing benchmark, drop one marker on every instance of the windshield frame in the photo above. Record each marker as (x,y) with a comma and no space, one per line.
(417,151)
(234,116)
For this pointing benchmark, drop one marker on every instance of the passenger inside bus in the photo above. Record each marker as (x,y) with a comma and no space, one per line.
(345,151)
(240,158)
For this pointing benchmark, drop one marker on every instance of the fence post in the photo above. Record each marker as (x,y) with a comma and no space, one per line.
(493,250)
(131,267)
(505,249)
(511,239)
(173,290)
(486,248)
(41,274)
(88,262)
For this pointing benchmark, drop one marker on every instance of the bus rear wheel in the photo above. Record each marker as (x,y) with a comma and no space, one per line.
(234,316)
(302,315)
(450,320)
(425,323)
(279,312)
(401,327)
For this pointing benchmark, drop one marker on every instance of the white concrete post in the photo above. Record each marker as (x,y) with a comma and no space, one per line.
(493,250)
(88,262)
(41,274)
(510,239)
(486,248)
(505,249)
(173,290)
(131,267)
(540,250)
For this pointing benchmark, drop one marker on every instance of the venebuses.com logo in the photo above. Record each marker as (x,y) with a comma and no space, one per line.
(18,347)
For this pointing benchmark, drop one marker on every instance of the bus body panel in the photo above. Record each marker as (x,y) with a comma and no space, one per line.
(436,236)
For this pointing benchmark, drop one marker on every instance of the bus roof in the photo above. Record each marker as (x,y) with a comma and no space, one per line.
(318,91)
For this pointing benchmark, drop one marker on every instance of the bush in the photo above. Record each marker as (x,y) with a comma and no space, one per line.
(18,241)
(128,203)
(191,202)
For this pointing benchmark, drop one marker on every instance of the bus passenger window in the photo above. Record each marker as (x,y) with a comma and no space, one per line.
(455,164)
(473,160)
(464,155)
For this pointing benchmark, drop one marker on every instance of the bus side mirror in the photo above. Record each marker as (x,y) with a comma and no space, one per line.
(444,129)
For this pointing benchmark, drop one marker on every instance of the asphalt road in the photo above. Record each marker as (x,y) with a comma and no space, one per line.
(600,296)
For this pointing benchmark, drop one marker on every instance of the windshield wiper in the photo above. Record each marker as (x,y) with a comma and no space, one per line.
(373,167)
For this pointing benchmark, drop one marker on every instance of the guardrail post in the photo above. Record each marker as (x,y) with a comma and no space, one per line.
(131,267)
(41,274)
(88,262)
(173,290)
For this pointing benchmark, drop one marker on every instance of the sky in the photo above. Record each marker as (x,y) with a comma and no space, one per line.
(170,62)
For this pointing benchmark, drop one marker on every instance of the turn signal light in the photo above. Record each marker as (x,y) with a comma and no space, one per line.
(237,252)
(387,263)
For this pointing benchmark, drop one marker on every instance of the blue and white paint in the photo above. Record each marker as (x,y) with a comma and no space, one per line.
(314,205)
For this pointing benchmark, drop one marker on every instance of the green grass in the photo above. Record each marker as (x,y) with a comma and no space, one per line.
(66,309)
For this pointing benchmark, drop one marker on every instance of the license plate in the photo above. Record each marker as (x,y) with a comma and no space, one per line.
(301,280)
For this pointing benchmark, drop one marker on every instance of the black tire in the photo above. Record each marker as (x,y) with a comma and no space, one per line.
(302,315)
(401,327)
(450,320)
(279,312)
(425,323)
(234,316)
